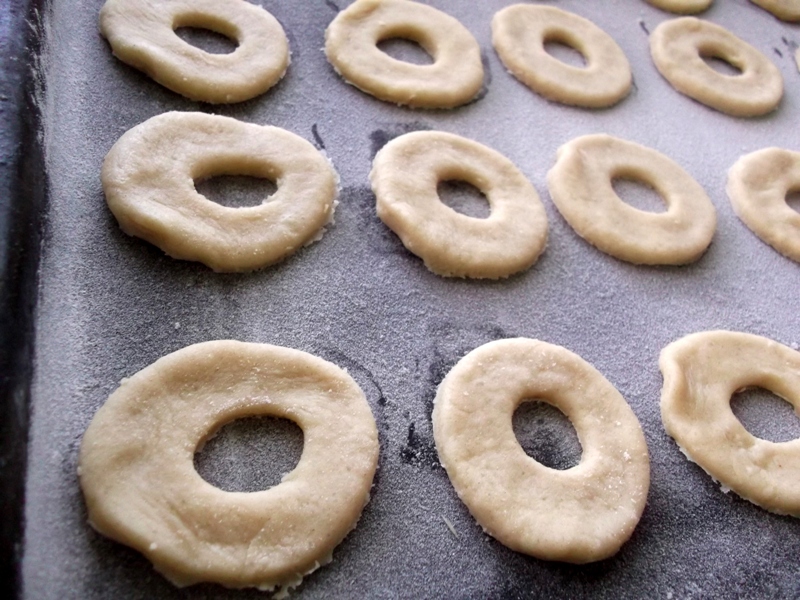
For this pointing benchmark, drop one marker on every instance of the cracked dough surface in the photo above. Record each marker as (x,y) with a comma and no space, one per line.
(757,187)
(682,7)
(786,10)
(578,515)
(351,45)
(404,177)
(142,34)
(141,489)
(148,178)
(581,187)
(519,34)
(701,372)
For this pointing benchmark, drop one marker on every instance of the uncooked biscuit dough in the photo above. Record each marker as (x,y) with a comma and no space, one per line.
(682,7)
(786,10)
(141,488)
(404,177)
(519,34)
(701,373)
(142,34)
(581,187)
(454,78)
(757,187)
(149,174)
(678,46)
(579,515)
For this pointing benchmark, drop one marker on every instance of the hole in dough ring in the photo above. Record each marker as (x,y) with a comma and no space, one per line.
(454,78)
(404,177)
(785,10)
(579,515)
(757,188)
(141,487)
(142,34)
(678,47)
(581,187)
(519,34)
(148,178)
(701,372)
(682,7)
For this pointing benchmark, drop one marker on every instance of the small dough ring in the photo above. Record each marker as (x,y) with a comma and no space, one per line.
(404,177)
(701,373)
(757,187)
(677,47)
(142,34)
(682,7)
(141,489)
(455,77)
(148,178)
(579,515)
(581,187)
(785,10)
(519,33)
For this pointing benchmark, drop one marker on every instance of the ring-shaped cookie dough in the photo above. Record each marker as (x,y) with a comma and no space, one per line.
(785,10)
(757,187)
(682,7)
(142,34)
(579,515)
(404,177)
(581,186)
(519,35)
(141,488)
(148,177)
(701,372)
(351,45)
(678,46)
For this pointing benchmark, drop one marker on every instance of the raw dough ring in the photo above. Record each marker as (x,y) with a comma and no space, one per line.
(454,78)
(580,185)
(785,10)
(519,33)
(757,187)
(148,178)
(142,34)
(579,515)
(682,7)
(677,47)
(404,177)
(141,489)
(701,373)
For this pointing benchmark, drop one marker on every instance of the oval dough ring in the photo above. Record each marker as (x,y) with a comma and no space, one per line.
(148,178)
(404,177)
(579,515)
(142,34)
(682,7)
(701,373)
(757,187)
(141,488)
(519,33)
(785,10)
(455,77)
(677,47)
(581,187)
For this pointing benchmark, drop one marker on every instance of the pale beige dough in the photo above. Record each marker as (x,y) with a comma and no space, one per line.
(404,177)
(519,34)
(786,10)
(678,46)
(579,515)
(701,372)
(148,177)
(454,78)
(141,489)
(581,187)
(757,187)
(142,34)
(682,7)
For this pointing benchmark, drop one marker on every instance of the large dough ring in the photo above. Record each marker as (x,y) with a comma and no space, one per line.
(519,33)
(682,7)
(580,184)
(455,77)
(785,10)
(142,34)
(701,373)
(579,515)
(148,178)
(404,177)
(678,47)
(141,489)
(757,187)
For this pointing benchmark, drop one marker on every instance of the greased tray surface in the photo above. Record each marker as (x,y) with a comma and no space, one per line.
(110,305)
